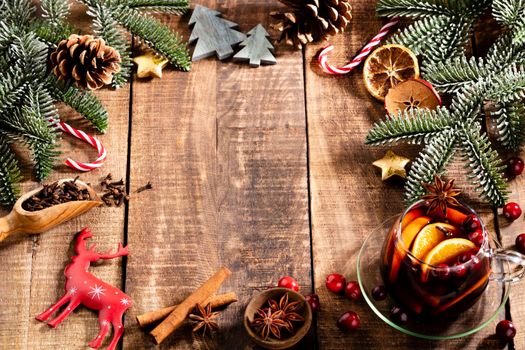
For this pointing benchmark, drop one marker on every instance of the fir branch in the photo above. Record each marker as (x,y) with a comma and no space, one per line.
(84,102)
(412,8)
(431,161)
(155,34)
(508,86)
(508,12)
(55,11)
(50,33)
(453,75)
(413,126)
(12,87)
(510,124)
(106,27)
(518,36)
(9,174)
(17,12)
(175,7)
(485,165)
(502,54)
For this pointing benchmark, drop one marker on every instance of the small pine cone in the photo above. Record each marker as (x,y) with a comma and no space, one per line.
(312,20)
(86,60)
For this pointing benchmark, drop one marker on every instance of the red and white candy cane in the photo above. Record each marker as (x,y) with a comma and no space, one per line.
(376,40)
(93,141)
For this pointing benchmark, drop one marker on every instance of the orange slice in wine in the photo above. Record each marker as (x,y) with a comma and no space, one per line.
(430,236)
(386,67)
(407,237)
(411,94)
(446,252)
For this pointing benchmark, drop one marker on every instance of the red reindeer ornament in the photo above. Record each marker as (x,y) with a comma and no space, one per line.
(84,288)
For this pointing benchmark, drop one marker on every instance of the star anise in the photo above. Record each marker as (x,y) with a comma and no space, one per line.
(205,319)
(267,322)
(288,308)
(441,195)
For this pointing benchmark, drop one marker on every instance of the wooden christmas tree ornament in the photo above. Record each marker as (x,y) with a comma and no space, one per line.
(214,35)
(150,65)
(256,48)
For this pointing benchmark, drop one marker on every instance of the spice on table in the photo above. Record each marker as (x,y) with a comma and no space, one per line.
(288,311)
(216,301)
(147,186)
(114,191)
(268,323)
(179,314)
(56,193)
(205,319)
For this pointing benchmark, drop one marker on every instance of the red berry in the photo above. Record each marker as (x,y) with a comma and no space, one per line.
(520,243)
(442,271)
(515,166)
(335,282)
(463,258)
(379,293)
(313,300)
(349,321)
(512,211)
(398,315)
(459,269)
(477,237)
(505,330)
(352,290)
(471,223)
(289,283)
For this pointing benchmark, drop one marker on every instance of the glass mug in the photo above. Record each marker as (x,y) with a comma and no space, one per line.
(465,269)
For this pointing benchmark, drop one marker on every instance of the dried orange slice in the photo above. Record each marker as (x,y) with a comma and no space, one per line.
(411,94)
(386,67)
(430,236)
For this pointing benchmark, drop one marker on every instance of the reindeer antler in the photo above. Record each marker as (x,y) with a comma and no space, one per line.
(121,251)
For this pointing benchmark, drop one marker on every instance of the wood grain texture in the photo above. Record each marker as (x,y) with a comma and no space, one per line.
(348,197)
(32,268)
(225,149)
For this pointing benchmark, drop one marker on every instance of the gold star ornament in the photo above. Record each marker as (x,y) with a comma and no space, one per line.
(392,165)
(150,65)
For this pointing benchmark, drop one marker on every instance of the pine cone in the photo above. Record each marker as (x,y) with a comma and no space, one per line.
(312,20)
(86,60)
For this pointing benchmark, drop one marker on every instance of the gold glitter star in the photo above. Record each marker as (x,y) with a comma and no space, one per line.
(392,165)
(150,65)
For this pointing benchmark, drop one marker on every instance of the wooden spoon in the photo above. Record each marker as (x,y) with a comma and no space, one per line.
(31,222)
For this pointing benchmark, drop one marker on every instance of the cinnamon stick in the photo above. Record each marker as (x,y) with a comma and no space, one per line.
(216,301)
(179,314)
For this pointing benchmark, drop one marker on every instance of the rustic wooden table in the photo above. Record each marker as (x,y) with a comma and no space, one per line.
(261,170)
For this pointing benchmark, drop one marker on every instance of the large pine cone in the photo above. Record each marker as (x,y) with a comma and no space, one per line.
(86,60)
(312,20)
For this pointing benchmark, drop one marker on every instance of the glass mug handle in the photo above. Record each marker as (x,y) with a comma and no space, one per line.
(516,261)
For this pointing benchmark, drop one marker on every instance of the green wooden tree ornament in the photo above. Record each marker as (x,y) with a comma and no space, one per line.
(214,35)
(256,48)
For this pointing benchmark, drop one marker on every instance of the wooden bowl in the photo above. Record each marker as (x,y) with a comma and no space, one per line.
(260,300)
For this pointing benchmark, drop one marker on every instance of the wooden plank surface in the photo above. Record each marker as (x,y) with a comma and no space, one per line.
(230,151)
(348,198)
(225,149)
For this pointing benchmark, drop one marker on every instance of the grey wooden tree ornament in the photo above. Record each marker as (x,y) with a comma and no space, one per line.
(256,48)
(214,35)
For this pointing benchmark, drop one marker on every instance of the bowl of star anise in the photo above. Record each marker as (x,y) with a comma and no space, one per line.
(277,318)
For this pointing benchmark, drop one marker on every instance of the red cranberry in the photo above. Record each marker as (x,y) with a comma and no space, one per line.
(505,330)
(471,223)
(349,321)
(463,258)
(459,270)
(352,290)
(477,237)
(335,282)
(515,166)
(379,293)
(313,300)
(442,271)
(520,243)
(288,282)
(398,315)
(512,211)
